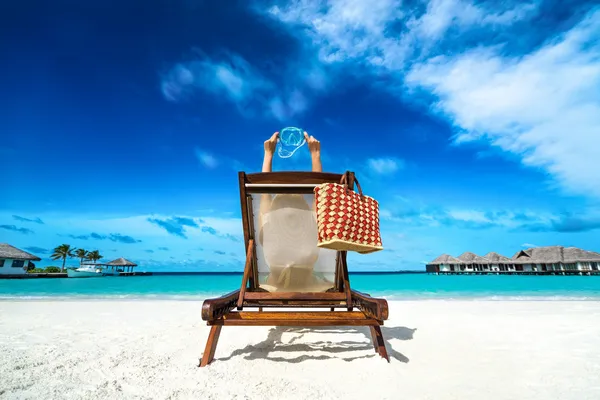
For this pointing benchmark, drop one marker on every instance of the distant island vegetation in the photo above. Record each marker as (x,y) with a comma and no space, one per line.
(63,252)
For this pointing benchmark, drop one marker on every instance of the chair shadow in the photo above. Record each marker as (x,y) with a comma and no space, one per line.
(274,343)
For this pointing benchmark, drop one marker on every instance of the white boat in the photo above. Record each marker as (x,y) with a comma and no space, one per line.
(87,271)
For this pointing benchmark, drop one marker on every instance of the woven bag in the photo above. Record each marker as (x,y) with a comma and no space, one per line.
(346,220)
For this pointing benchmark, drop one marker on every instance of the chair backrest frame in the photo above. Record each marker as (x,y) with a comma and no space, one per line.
(284,182)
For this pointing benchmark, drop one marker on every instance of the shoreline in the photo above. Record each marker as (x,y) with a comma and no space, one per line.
(200,298)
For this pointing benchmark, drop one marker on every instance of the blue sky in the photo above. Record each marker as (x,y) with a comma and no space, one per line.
(476,124)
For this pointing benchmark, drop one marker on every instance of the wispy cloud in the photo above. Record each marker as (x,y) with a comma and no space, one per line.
(524,221)
(37,250)
(114,237)
(212,161)
(231,77)
(138,234)
(16,229)
(496,76)
(212,231)
(567,223)
(206,159)
(226,75)
(79,237)
(528,245)
(539,107)
(23,219)
(384,166)
(175,225)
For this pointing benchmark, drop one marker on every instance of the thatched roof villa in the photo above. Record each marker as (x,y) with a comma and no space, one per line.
(548,259)
(446,260)
(14,261)
(496,258)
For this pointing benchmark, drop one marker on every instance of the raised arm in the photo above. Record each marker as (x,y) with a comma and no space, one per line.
(270,145)
(314,146)
(265,199)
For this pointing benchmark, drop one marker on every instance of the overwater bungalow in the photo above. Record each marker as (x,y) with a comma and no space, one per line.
(447,263)
(498,262)
(472,262)
(556,258)
(536,260)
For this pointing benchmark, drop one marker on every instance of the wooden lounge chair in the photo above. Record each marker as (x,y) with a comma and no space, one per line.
(322,285)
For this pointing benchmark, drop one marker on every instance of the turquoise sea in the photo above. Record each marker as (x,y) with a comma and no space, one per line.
(391,286)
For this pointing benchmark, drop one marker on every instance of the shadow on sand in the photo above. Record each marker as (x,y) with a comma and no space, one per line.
(274,343)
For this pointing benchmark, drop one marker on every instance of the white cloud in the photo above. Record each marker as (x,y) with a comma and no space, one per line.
(444,15)
(528,245)
(232,77)
(206,159)
(384,166)
(469,215)
(543,105)
(211,160)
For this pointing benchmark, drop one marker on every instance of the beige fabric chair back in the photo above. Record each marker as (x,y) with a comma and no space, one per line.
(287,254)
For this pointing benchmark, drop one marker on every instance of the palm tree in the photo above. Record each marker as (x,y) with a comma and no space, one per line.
(81,253)
(94,256)
(63,251)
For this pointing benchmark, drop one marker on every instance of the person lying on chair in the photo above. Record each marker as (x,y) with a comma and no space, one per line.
(288,231)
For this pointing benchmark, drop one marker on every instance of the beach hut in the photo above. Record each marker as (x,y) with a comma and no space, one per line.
(14,261)
(444,263)
(498,262)
(123,263)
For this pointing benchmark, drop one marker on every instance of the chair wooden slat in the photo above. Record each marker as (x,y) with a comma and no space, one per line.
(295,296)
(296,318)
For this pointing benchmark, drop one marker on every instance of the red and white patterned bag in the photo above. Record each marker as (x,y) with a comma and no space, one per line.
(346,220)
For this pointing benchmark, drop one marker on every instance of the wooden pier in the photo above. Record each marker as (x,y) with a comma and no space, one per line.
(63,275)
(135,273)
(569,272)
(34,276)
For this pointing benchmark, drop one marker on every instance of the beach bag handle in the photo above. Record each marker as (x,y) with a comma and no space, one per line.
(344,181)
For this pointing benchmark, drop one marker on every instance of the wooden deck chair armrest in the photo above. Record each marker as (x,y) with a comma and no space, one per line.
(215,308)
(371,306)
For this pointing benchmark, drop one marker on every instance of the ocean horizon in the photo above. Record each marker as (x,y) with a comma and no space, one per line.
(402,285)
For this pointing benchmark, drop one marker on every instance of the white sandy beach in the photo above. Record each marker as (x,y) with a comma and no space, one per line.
(439,350)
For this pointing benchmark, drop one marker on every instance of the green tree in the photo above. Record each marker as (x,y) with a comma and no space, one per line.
(94,256)
(63,252)
(81,253)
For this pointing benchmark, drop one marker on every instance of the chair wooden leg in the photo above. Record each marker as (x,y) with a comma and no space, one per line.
(211,345)
(374,339)
(260,309)
(379,343)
